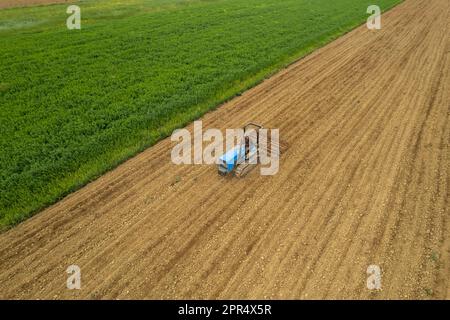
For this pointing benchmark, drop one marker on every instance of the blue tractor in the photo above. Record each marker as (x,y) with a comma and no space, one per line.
(242,157)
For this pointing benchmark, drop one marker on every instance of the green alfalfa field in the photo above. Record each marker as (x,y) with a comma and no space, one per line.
(76,103)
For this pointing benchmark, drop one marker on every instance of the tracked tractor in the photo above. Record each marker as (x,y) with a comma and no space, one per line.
(246,155)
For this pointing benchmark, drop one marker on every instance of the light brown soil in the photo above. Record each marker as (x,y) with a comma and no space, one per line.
(26,3)
(365,181)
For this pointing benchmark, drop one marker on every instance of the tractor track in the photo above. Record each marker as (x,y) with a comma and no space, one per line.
(365,180)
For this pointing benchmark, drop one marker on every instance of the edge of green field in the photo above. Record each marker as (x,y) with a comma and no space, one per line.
(92,170)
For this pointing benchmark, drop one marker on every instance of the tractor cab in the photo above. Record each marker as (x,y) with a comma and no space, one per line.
(231,159)
(242,156)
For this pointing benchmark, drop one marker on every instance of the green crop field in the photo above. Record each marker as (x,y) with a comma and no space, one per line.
(75,103)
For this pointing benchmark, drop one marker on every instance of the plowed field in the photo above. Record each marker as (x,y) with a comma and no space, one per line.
(366,180)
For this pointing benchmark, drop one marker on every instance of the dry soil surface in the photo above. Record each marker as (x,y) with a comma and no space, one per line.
(365,181)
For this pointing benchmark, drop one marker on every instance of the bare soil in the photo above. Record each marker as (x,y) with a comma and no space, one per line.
(365,181)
